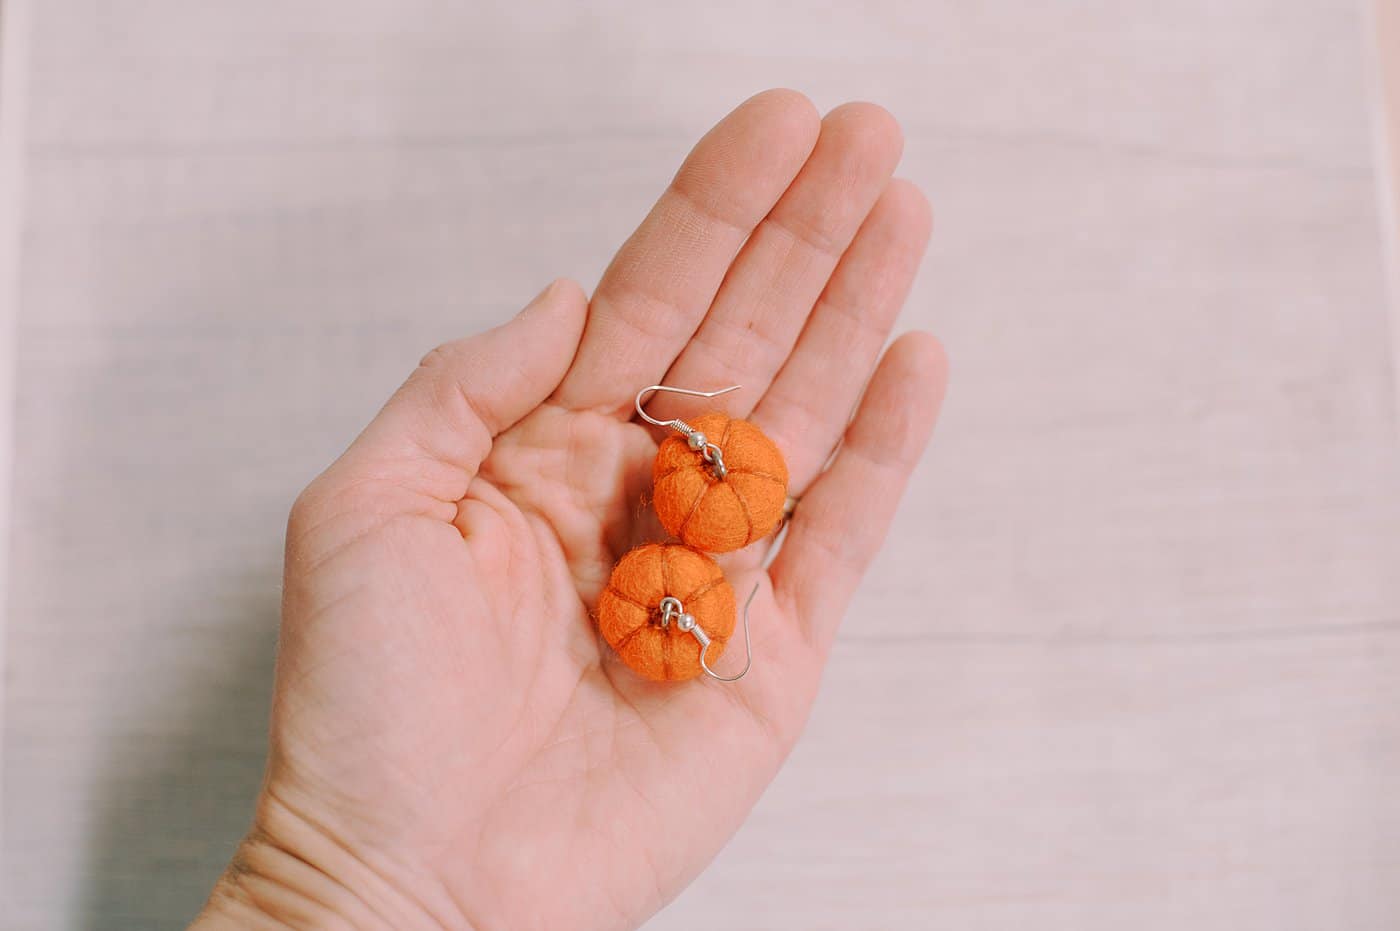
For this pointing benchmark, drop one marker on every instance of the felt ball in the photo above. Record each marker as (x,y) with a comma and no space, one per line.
(715,514)
(629,610)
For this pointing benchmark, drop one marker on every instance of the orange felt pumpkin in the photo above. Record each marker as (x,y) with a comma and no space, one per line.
(630,611)
(716,514)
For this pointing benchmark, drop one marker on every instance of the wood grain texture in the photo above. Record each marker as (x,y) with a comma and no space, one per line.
(1129,658)
(1385,56)
(14,98)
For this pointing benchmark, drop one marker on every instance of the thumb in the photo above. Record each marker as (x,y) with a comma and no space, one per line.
(432,435)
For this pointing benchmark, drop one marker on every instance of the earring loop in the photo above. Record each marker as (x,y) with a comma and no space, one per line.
(693,437)
(672,609)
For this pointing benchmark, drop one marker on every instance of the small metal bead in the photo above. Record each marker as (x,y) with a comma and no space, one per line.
(686,622)
(697,441)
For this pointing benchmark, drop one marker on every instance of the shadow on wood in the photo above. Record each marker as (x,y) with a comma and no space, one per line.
(174,805)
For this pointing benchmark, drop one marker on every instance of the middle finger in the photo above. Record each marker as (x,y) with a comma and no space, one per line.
(781,271)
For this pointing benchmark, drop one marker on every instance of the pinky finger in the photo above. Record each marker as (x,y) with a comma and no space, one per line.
(841,522)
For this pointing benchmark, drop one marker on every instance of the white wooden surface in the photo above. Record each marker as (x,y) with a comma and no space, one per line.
(1130,659)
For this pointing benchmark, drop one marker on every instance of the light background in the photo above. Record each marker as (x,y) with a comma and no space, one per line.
(1130,657)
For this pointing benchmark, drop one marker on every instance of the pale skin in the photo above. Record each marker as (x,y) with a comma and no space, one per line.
(453,746)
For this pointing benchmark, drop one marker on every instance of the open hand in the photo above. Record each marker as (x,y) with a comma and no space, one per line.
(452,743)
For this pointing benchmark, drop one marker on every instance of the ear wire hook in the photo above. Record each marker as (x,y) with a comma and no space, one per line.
(693,438)
(672,609)
(748,647)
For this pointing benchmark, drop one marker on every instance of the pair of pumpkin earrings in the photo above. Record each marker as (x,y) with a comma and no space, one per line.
(719,484)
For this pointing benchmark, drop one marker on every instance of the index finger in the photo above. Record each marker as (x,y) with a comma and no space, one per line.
(660,284)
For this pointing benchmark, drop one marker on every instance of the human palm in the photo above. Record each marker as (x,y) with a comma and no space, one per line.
(453,744)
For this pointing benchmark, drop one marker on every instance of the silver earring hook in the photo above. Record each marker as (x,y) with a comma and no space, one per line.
(748,648)
(693,438)
(677,424)
(672,609)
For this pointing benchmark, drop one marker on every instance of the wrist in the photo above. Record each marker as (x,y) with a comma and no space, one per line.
(266,887)
(289,874)
(269,887)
